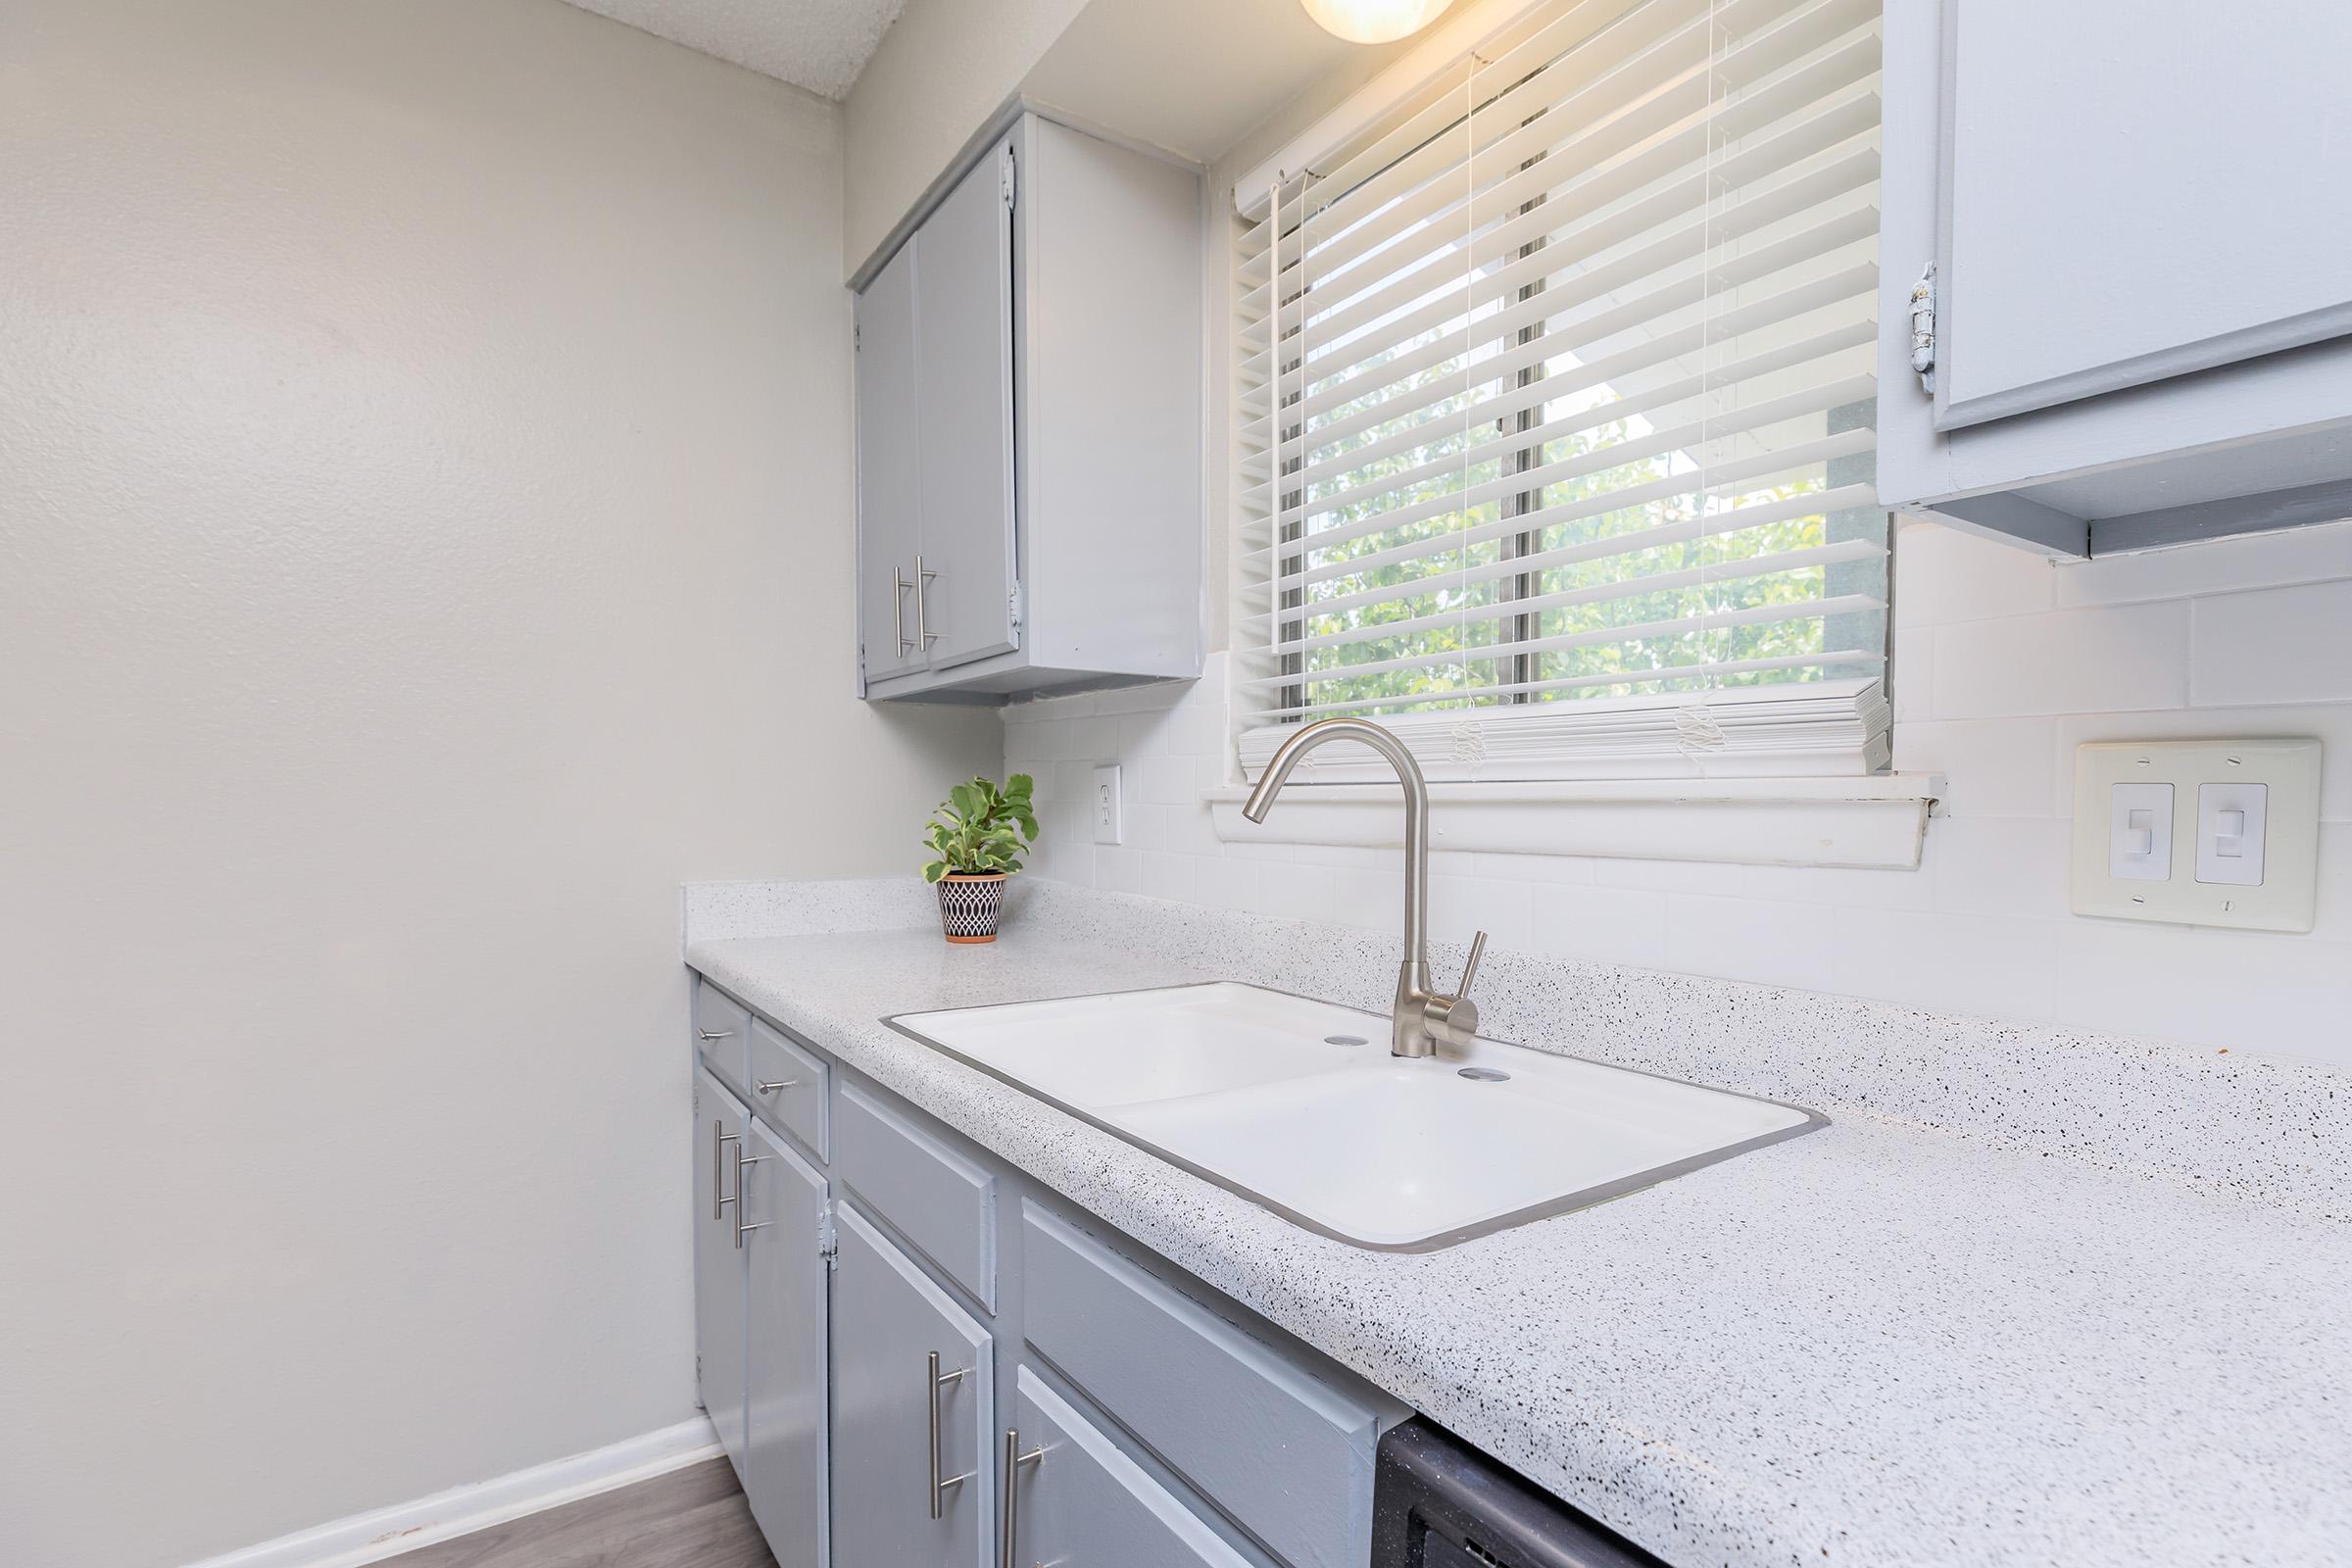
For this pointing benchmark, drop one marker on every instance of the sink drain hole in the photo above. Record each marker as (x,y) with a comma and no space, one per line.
(1345,1040)
(1484,1076)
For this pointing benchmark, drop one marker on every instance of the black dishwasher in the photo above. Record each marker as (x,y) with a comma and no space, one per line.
(1437,1502)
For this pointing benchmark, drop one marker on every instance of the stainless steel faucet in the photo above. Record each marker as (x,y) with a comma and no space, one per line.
(1423,1017)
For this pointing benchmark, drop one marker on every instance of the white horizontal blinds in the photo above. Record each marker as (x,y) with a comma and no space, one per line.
(1555,401)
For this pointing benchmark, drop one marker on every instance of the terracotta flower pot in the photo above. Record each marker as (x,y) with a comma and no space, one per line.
(970,905)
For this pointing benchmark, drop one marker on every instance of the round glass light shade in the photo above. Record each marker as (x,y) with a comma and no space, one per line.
(1375,21)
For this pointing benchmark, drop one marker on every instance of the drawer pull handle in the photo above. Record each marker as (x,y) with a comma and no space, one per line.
(770,1086)
(742,1160)
(898,610)
(934,1381)
(720,1138)
(1014,1458)
(922,616)
(700,1033)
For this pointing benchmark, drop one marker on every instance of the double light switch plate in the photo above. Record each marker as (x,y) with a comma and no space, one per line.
(2220,833)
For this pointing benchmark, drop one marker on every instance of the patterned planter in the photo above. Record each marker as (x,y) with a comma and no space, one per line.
(970,905)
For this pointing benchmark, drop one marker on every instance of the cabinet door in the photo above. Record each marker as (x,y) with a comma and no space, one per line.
(2128,194)
(784,1336)
(718,1349)
(1081,1500)
(888,1320)
(889,490)
(963,375)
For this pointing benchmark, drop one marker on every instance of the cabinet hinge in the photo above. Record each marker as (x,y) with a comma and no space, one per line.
(1005,177)
(1923,327)
(856,339)
(828,1244)
(1012,607)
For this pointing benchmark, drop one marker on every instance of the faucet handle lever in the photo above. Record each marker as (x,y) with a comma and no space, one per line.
(1477,951)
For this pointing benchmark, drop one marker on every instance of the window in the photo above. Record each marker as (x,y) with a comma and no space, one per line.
(1555,399)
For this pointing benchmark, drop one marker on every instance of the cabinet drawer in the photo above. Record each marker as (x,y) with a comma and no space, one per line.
(1082,1500)
(1287,1455)
(939,1200)
(788,1086)
(721,1030)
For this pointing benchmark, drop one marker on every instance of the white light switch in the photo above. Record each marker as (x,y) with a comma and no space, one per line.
(2198,832)
(1103,806)
(2231,824)
(2139,832)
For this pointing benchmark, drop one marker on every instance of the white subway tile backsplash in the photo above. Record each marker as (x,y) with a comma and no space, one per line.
(1946,962)
(2278,644)
(1119,870)
(1944,575)
(1991,766)
(2224,565)
(1831,884)
(1293,892)
(2243,989)
(1462,905)
(1175,877)
(1228,884)
(1603,925)
(1911,672)
(2013,866)
(2066,661)
(1753,939)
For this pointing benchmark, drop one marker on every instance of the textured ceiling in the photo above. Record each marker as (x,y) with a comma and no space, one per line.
(817,44)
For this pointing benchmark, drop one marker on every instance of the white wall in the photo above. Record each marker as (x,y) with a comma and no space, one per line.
(2003,665)
(423,544)
(943,69)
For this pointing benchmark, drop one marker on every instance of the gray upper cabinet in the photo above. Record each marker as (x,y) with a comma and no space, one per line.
(889,496)
(784,1216)
(1029,374)
(2098,236)
(964,422)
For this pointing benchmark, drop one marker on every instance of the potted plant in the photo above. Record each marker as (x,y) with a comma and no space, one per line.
(978,836)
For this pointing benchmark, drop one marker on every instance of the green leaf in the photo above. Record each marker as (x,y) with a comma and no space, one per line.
(981,828)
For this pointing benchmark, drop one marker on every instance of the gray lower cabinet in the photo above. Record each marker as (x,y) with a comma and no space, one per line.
(785,1218)
(913,1398)
(1072,1491)
(919,1358)
(719,1123)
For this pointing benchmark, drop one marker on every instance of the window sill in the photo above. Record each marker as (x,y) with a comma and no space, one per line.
(1877,822)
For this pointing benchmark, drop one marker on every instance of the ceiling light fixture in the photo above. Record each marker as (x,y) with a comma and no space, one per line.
(1375,21)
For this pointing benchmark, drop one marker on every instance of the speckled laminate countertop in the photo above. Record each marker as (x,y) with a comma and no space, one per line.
(1878,1344)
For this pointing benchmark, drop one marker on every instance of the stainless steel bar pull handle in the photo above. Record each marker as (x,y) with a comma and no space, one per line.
(768,1086)
(1014,1458)
(741,1160)
(720,1138)
(922,614)
(933,1380)
(700,1033)
(898,608)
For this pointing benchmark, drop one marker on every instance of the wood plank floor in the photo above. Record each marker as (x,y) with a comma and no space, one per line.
(690,1518)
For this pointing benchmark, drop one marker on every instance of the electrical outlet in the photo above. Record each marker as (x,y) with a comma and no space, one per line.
(2199,832)
(1104,804)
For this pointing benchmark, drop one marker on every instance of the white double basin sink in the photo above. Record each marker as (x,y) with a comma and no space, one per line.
(1299,1106)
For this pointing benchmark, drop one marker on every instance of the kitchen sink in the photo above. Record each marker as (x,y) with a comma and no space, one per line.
(1298,1105)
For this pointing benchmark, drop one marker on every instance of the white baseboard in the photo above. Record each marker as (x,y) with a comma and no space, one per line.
(365,1537)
